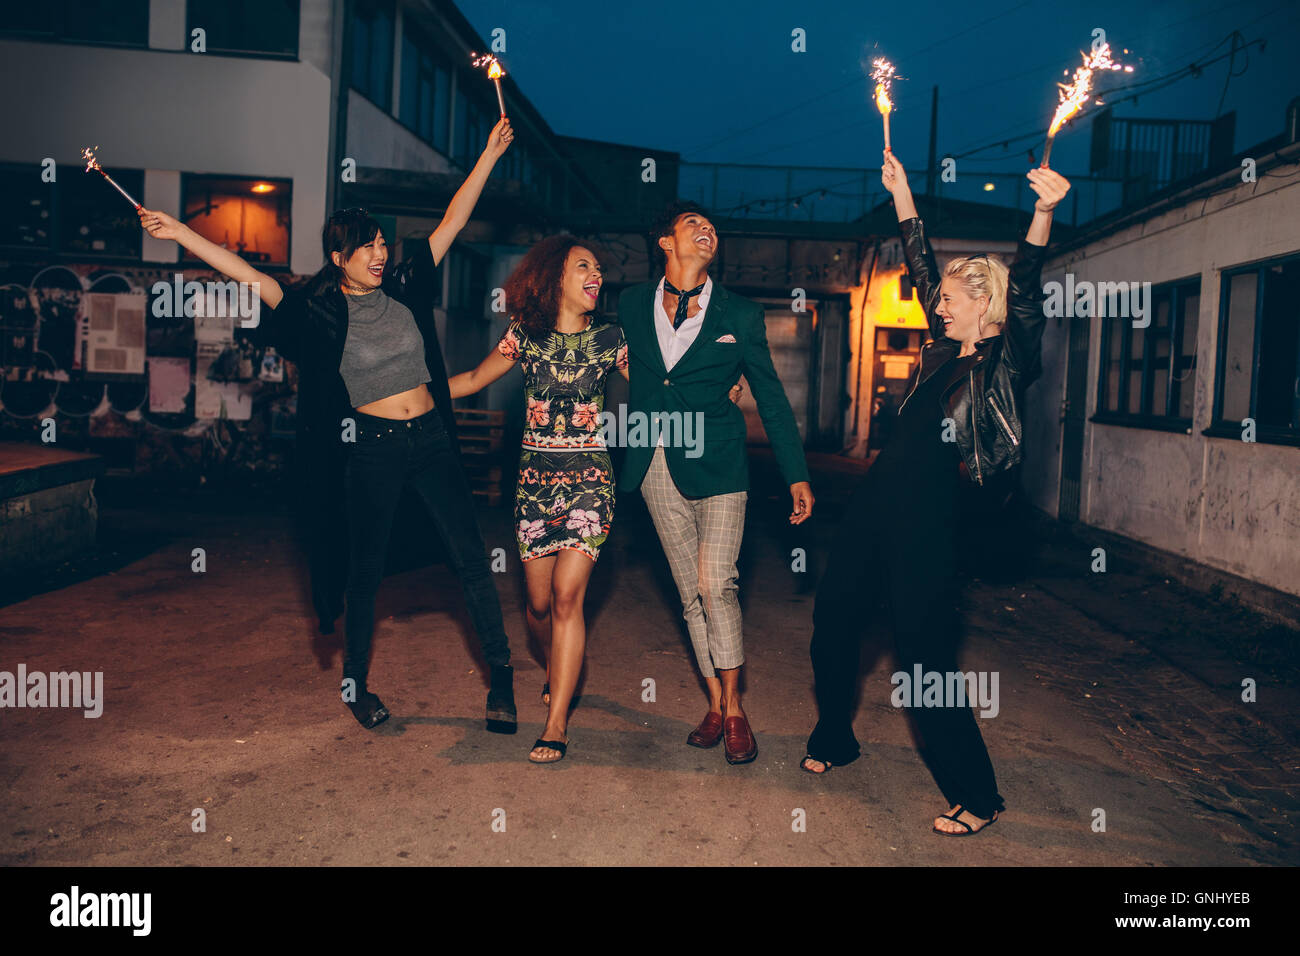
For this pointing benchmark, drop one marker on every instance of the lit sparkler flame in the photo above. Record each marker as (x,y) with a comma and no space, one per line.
(88,154)
(1075,93)
(494,72)
(882,71)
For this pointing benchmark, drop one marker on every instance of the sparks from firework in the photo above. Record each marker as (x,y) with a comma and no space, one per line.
(1075,93)
(88,154)
(882,71)
(494,72)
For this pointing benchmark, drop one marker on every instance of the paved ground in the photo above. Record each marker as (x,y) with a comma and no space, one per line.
(1119,692)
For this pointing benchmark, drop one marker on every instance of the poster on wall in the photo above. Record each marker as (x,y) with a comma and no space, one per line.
(111,335)
(218,391)
(169,383)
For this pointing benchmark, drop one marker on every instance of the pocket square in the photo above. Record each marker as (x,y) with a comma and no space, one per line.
(726,338)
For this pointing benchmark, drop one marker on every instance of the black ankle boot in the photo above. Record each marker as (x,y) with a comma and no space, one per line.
(368,709)
(501,718)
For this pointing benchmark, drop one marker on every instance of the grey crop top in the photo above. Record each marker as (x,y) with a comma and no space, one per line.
(384,351)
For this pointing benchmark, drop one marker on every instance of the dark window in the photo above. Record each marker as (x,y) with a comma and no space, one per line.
(425,89)
(372,51)
(467,284)
(442,109)
(250,217)
(1259,351)
(93,219)
(110,22)
(1148,375)
(245,26)
(26,204)
(462,126)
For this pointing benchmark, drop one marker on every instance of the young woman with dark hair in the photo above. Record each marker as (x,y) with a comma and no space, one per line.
(374,416)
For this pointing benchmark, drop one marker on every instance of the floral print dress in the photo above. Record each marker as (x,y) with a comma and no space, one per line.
(565,496)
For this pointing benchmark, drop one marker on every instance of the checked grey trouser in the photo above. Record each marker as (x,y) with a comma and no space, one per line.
(701,538)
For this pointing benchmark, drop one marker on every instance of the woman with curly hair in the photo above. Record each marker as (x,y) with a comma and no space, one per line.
(564,500)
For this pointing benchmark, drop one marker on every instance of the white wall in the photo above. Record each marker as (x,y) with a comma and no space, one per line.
(242,116)
(1229,504)
(378,140)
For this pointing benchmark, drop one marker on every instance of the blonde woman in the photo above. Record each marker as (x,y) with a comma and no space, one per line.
(895,561)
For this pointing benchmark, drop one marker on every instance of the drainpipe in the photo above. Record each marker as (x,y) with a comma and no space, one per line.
(862,339)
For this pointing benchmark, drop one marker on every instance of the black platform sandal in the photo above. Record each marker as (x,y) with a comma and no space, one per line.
(559,745)
(501,716)
(369,710)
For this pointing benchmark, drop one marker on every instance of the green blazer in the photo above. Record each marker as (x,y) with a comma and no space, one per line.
(717,462)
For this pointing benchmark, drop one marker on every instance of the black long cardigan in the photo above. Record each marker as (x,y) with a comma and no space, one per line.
(309,327)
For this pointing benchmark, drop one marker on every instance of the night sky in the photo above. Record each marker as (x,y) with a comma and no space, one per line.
(718,81)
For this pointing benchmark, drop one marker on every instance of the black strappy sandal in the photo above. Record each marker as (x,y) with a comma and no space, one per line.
(970,831)
(561,746)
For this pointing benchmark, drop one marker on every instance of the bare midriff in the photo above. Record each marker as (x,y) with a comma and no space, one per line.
(412,403)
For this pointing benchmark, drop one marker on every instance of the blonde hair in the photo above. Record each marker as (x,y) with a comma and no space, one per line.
(986,276)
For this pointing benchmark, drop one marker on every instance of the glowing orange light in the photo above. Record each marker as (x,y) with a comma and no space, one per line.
(263,188)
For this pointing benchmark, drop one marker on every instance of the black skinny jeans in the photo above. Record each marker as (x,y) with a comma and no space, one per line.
(904,582)
(389,454)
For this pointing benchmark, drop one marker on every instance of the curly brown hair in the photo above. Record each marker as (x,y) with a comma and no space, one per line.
(533,289)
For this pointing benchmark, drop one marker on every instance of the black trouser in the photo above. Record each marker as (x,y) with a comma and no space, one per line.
(388,455)
(904,582)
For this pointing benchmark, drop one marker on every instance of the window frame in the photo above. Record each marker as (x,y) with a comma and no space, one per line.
(1220,427)
(293,56)
(187,180)
(1177,291)
(386,86)
(425,47)
(56,35)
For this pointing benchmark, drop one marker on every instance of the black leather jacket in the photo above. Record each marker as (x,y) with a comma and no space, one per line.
(984,391)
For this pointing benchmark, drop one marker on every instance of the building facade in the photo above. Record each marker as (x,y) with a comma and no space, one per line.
(1169,408)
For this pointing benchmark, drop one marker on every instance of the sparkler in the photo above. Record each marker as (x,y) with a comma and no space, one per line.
(883,73)
(494,73)
(88,154)
(1075,93)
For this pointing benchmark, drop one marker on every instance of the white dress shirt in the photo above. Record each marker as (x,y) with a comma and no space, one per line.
(673,343)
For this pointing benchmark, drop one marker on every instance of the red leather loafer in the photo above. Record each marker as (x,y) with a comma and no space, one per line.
(738,741)
(709,733)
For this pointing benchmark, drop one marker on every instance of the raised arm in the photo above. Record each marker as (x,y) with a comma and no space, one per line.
(921,265)
(462,204)
(1023,333)
(162,226)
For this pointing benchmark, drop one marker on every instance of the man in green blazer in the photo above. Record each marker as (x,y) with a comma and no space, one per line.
(689,340)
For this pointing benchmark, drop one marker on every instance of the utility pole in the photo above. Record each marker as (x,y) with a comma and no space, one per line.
(934,133)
